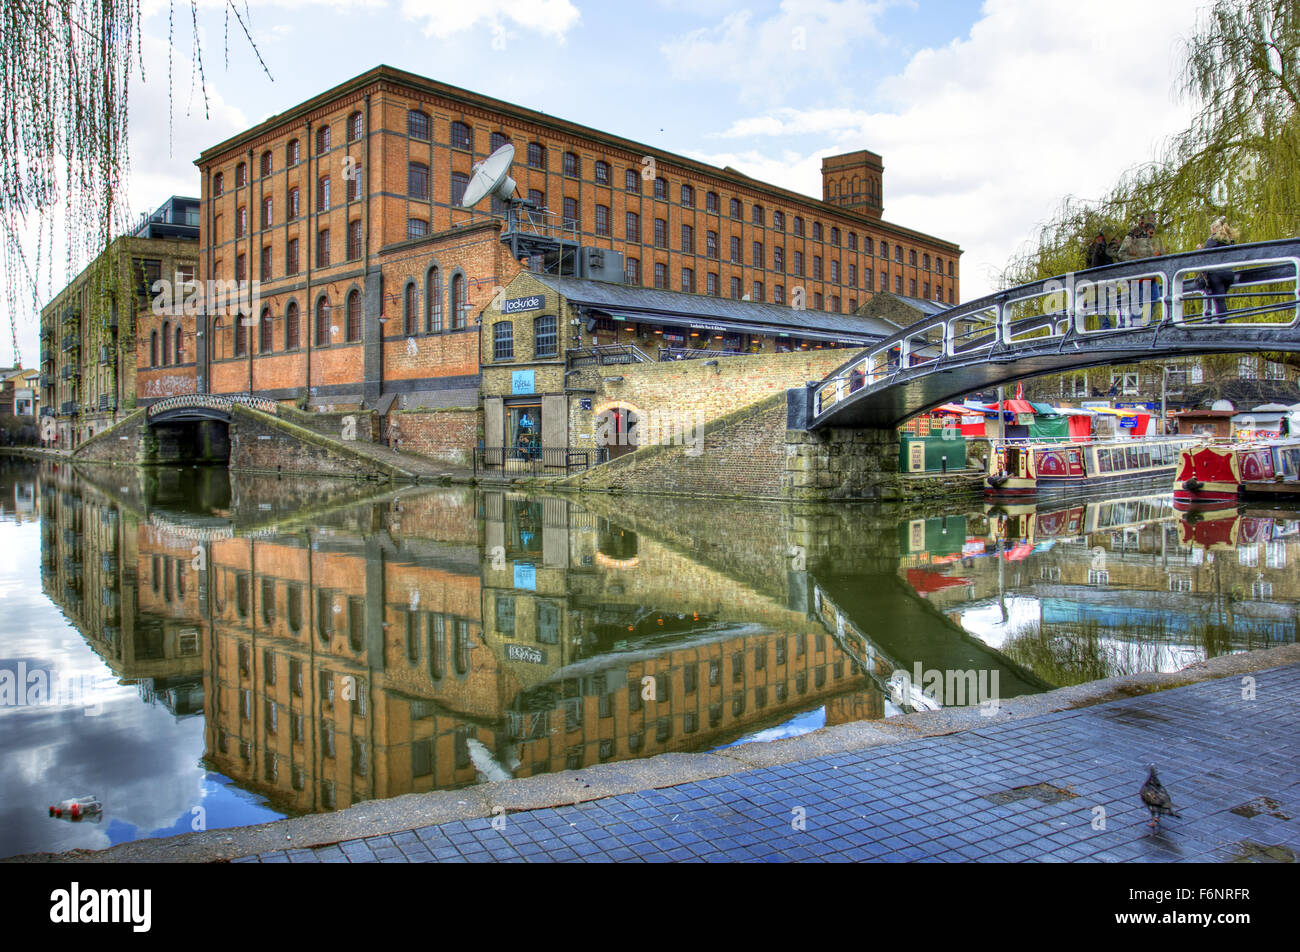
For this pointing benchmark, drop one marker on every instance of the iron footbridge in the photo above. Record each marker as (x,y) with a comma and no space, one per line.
(1168,306)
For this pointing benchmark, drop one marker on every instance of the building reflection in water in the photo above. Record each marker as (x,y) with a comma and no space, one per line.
(342,649)
(1085,590)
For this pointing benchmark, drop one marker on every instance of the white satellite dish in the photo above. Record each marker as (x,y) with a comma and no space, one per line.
(491,177)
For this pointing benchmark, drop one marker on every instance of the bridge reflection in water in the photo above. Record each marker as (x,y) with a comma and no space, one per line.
(342,649)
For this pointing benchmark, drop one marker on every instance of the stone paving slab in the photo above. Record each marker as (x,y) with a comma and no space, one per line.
(1060,786)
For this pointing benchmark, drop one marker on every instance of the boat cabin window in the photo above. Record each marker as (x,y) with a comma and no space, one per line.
(1103,461)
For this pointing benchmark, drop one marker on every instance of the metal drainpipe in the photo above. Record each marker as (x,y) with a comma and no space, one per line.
(203,299)
(248,337)
(310,248)
(365,184)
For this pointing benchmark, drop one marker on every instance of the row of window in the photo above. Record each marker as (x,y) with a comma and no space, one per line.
(546,338)
(632,274)
(292,260)
(462,138)
(325,332)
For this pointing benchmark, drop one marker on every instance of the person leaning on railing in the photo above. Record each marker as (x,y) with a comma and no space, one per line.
(1216,283)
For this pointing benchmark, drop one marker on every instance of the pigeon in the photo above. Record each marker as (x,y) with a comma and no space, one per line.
(1156,798)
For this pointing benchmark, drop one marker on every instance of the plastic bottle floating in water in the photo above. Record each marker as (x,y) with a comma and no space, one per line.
(77,807)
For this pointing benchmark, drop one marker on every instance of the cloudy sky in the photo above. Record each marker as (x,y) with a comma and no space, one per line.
(987,114)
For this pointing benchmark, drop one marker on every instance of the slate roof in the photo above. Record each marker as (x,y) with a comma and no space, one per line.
(680,307)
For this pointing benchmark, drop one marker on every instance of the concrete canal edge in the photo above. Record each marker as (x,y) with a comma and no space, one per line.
(411,811)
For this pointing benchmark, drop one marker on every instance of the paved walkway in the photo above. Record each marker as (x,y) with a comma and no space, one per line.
(1055,787)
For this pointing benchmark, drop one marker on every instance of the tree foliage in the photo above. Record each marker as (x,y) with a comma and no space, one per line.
(66,68)
(1239,157)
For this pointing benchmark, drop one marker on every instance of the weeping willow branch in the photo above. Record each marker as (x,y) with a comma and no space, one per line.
(66,68)
(1239,156)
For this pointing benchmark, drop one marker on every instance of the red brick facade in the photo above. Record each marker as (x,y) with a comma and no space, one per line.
(342,208)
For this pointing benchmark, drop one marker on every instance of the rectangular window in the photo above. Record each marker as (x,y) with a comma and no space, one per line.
(353,184)
(293,204)
(241,221)
(503,340)
(323,194)
(266,262)
(459,182)
(417,180)
(268,207)
(291,256)
(323,249)
(546,336)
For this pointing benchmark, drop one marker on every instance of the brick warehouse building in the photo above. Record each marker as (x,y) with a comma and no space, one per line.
(345,208)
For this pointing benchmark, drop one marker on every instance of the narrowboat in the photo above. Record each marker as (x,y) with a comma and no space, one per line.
(1215,476)
(1031,469)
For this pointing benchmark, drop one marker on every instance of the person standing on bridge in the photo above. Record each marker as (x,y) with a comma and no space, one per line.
(1217,282)
(1141,242)
(1098,257)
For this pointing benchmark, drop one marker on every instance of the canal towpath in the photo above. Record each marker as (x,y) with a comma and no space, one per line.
(1051,777)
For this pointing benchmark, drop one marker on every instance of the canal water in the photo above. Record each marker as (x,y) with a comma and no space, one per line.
(199,651)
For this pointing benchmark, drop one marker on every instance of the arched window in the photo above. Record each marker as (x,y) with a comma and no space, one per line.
(180,346)
(433,301)
(292,154)
(266,327)
(241,175)
(153,349)
(354,316)
(265,167)
(410,308)
(536,156)
(322,139)
(241,335)
(218,185)
(459,305)
(462,136)
(218,339)
(497,140)
(167,343)
(291,326)
(322,323)
(354,127)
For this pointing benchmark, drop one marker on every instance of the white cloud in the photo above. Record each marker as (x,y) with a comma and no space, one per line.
(442,18)
(807,41)
(982,138)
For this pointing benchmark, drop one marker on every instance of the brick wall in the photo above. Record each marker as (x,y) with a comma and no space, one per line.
(446,436)
(688,391)
(743,454)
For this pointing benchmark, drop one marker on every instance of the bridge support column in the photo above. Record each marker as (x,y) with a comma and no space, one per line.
(841,464)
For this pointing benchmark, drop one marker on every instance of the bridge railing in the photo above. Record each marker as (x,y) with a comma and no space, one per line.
(211,401)
(1111,302)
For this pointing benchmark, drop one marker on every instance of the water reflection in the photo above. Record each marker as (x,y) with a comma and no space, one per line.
(1096,589)
(321,643)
